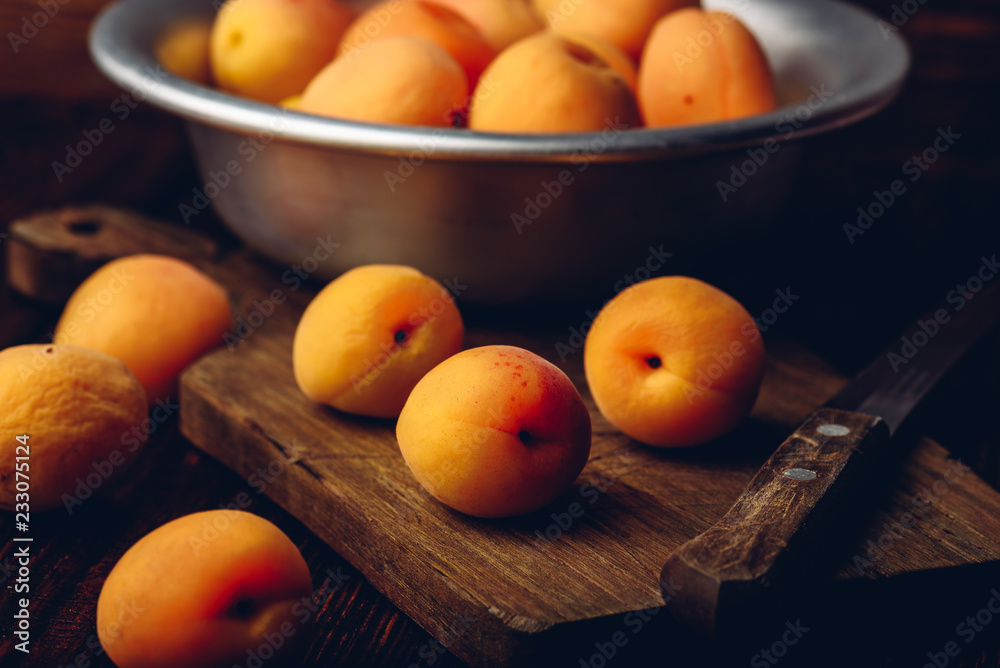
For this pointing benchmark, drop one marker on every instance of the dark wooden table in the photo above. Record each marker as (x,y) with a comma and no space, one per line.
(853,299)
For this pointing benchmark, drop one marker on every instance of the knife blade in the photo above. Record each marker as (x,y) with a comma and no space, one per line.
(768,538)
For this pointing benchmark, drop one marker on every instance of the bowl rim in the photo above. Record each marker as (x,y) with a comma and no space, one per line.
(121,43)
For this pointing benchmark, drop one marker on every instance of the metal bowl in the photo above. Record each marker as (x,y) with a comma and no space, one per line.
(512,217)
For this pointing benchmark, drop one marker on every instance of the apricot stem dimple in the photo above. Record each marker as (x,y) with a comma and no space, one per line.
(400,337)
(524,436)
(241,609)
(654,362)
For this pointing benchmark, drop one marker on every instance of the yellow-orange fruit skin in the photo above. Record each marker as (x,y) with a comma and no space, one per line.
(495,431)
(426,20)
(202,591)
(74,405)
(610,54)
(674,361)
(625,23)
(184,51)
(367,338)
(501,22)
(547,83)
(703,67)
(396,80)
(269,50)
(155,313)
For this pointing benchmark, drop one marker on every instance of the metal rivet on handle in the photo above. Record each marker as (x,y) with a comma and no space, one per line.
(833,430)
(800,474)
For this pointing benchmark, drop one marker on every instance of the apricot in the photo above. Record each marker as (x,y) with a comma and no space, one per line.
(184,50)
(674,361)
(417,18)
(65,413)
(495,431)
(155,313)
(703,67)
(399,80)
(625,23)
(367,338)
(206,590)
(609,53)
(268,50)
(547,83)
(501,22)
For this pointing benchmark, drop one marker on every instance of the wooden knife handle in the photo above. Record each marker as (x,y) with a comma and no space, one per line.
(777,525)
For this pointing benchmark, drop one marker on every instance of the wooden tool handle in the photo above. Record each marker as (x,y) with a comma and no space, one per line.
(777,524)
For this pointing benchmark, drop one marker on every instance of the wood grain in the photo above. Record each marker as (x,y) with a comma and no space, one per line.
(50,253)
(590,557)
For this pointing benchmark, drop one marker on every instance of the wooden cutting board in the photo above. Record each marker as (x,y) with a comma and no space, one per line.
(509,592)
(522,591)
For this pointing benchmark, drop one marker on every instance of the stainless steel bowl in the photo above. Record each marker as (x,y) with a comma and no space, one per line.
(513,217)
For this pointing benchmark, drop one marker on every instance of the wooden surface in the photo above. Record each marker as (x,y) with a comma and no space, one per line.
(854,299)
(344,478)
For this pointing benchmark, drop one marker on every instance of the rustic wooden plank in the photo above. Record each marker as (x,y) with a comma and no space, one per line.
(50,253)
(529,581)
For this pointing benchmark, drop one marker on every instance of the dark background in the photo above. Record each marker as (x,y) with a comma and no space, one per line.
(854,300)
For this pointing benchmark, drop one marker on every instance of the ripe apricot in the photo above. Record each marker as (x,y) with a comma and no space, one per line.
(495,431)
(155,313)
(401,80)
(205,590)
(268,50)
(625,23)
(501,22)
(547,83)
(417,18)
(609,53)
(184,50)
(703,67)
(674,361)
(75,405)
(367,338)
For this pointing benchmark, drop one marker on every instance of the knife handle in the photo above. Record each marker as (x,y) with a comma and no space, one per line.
(777,525)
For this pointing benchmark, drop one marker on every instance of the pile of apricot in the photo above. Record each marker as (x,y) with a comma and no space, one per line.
(520,66)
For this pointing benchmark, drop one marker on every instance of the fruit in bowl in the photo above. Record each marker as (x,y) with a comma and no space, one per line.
(564,78)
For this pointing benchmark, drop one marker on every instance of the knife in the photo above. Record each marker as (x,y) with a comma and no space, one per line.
(777,526)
